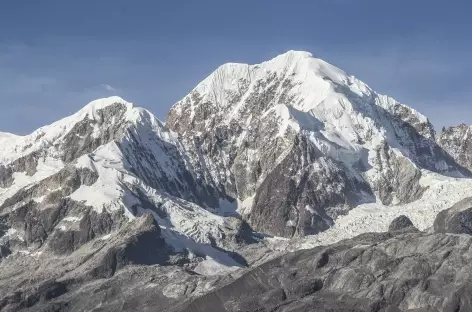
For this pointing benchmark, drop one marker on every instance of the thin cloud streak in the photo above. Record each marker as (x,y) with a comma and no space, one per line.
(108,87)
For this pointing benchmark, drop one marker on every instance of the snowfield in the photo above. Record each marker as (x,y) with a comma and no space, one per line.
(443,193)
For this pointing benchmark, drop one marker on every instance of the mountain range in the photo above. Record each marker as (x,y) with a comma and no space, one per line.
(261,173)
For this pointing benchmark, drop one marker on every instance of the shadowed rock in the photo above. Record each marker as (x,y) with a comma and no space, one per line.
(138,243)
(91,225)
(457,219)
(37,296)
(457,141)
(396,273)
(402,223)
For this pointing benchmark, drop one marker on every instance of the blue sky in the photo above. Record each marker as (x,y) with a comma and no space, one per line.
(56,56)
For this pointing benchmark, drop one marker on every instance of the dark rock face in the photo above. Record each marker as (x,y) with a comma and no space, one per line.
(23,300)
(399,179)
(403,272)
(402,223)
(66,181)
(4,251)
(80,140)
(242,233)
(25,164)
(142,244)
(91,225)
(378,272)
(146,247)
(39,224)
(151,160)
(456,220)
(38,220)
(289,202)
(457,141)
(136,243)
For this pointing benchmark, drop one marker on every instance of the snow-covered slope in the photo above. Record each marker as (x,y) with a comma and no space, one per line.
(294,146)
(290,145)
(102,167)
(298,142)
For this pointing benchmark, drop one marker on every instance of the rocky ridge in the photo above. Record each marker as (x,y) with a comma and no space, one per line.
(393,271)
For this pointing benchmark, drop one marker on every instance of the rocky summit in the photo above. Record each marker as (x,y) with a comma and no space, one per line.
(282,186)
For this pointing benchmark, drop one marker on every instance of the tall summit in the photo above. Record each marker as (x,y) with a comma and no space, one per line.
(298,142)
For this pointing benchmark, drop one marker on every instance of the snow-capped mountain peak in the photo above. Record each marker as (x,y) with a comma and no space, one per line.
(290,144)
(53,134)
(106,165)
(246,120)
(97,123)
(295,79)
(290,147)
(90,110)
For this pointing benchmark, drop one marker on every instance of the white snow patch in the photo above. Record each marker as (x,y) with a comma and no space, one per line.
(245,206)
(39,199)
(71,219)
(46,167)
(310,209)
(62,227)
(211,267)
(11,232)
(106,192)
(174,290)
(105,237)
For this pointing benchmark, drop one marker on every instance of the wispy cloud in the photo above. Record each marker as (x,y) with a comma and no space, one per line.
(53,80)
(109,87)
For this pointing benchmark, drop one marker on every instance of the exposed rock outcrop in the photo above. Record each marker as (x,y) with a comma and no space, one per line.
(403,224)
(457,219)
(457,141)
(372,272)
